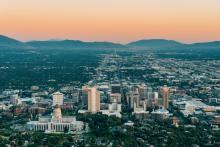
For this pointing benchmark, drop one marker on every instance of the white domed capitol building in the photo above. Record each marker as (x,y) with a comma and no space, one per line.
(56,123)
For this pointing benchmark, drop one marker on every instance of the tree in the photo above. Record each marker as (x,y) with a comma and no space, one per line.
(66,130)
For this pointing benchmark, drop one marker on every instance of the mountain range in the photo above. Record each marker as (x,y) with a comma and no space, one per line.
(150,44)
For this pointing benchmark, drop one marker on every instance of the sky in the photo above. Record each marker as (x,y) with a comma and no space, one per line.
(111,20)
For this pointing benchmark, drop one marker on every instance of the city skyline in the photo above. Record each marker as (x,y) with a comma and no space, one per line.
(116,21)
(110,73)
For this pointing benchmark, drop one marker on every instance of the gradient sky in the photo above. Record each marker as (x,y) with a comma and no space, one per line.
(111,20)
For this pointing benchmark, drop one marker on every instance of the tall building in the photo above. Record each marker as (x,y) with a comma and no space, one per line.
(115,97)
(152,99)
(116,88)
(133,99)
(57,98)
(142,108)
(156,99)
(142,89)
(165,94)
(140,111)
(93,100)
(115,102)
(84,96)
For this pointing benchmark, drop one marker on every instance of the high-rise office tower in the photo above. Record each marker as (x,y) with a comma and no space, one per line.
(115,88)
(93,100)
(114,102)
(84,95)
(57,98)
(156,99)
(133,99)
(165,94)
(152,99)
(143,92)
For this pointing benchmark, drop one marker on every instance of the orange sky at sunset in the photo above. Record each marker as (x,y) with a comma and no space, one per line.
(111,20)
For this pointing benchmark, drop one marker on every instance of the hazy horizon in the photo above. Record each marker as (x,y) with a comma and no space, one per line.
(115,21)
(123,43)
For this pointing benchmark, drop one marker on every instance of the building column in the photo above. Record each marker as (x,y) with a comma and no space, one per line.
(61,127)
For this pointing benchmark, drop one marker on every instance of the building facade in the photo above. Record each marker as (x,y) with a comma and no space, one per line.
(56,123)
(57,98)
(93,100)
(165,94)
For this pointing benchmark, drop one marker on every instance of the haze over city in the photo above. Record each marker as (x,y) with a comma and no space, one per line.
(109,73)
(111,20)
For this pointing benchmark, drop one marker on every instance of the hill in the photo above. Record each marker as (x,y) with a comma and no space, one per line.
(73,44)
(9,43)
(155,44)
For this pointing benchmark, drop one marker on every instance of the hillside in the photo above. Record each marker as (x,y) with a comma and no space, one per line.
(155,44)
(73,44)
(9,43)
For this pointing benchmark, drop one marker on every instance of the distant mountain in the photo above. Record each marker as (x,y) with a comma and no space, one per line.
(170,45)
(159,45)
(73,44)
(155,44)
(9,43)
(207,49)
(214,44)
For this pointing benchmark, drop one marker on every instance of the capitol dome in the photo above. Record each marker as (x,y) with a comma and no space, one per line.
(57,112)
